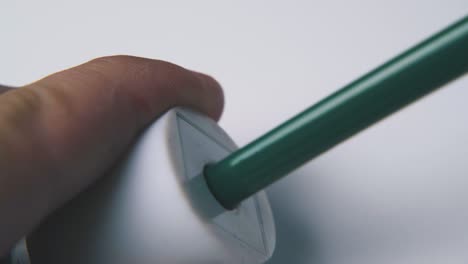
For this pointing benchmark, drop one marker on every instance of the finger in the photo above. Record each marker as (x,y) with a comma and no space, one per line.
(59,134)
(4,88)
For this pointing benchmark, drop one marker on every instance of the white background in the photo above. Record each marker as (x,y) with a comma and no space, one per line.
(397,193)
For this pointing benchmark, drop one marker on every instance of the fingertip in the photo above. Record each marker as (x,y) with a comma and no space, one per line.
(214,104)
(148,81)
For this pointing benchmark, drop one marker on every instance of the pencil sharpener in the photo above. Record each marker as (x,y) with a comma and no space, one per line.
(155,207)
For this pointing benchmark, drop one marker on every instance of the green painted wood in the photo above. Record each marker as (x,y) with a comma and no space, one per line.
(397,83)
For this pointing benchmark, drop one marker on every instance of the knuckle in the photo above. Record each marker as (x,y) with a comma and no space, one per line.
(135,64)
(114,59)
(122,60)
(18,115)
(17,107)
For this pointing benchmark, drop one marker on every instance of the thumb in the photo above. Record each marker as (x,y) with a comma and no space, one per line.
(59,134)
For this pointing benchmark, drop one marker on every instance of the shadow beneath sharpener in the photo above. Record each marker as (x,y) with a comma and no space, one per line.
(296,239)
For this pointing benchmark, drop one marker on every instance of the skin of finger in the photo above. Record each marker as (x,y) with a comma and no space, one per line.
(4,88)
(61,133)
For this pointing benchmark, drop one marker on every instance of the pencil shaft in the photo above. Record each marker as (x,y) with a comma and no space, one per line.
(381,92)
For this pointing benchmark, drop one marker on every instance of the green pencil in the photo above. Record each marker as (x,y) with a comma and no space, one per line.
(397,83)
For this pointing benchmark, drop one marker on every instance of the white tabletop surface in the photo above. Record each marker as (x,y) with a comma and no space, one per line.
(396,193)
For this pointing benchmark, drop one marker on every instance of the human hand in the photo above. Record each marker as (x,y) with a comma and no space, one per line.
(61,133)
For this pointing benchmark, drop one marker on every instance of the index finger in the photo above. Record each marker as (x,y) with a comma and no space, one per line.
(4,88)
(59,134)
